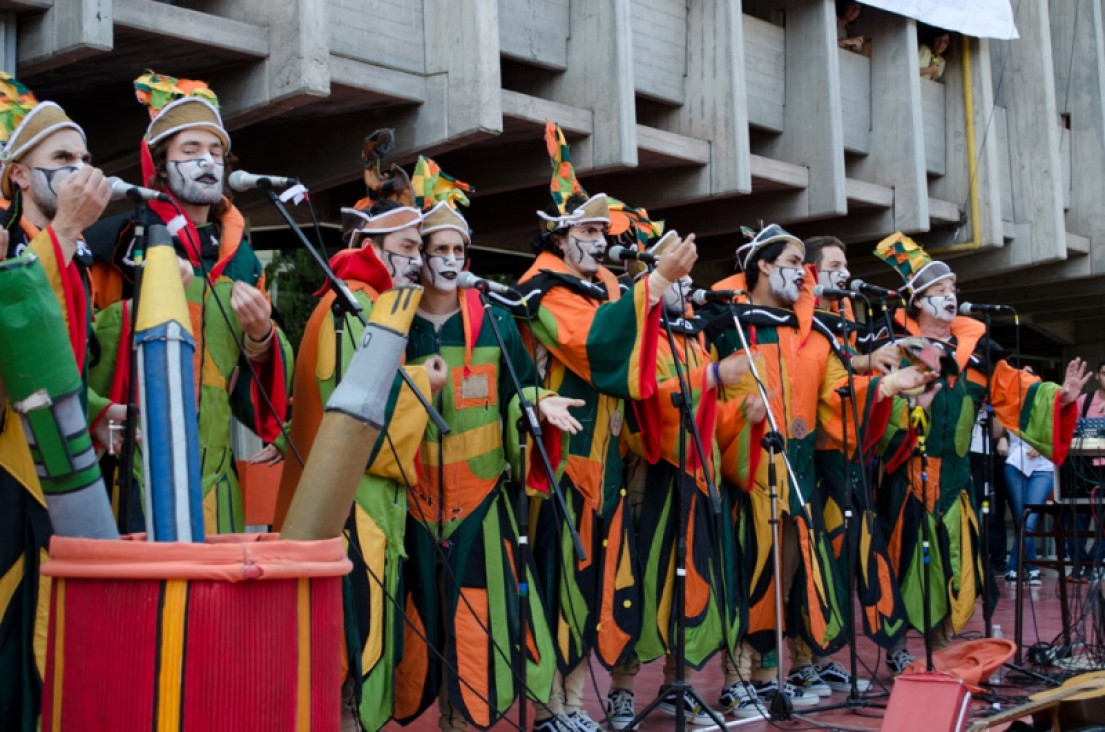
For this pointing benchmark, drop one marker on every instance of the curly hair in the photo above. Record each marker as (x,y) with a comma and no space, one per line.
(770,252)
(546,240)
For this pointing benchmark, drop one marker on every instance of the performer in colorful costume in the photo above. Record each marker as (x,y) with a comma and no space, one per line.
(183,155)
(462,532)
(590,343)
(654,431)
(384,252)
(1043,414)
(50,196)
(801,371)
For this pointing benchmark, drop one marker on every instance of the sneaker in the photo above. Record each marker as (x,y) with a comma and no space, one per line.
(555,723)
(1011,576)
(1077,574)
(808,680)
(838,678)
(898,661)
(581,722)
(619,705)
(741,700)
(694,713)
(798,698)
(1034,577)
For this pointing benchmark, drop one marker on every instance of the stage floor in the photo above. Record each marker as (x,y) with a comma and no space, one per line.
(1042,621)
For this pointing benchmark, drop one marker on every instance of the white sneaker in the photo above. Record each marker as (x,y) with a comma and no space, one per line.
(620,707)
(693,713)
(582,721)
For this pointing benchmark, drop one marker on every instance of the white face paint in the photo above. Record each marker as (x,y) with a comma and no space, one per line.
(444,260)
(44,186)
(837,278)
(786,283)
(198,181)
(675,296)
(943,307)
(584,249)
(401,256)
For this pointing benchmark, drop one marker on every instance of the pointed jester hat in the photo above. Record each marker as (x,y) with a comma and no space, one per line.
(632,228)
(392,184)
(917,269)
(25,122)
(437,195)
(564,185)
(176,105)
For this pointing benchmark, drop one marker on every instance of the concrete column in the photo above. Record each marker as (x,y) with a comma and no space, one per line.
(69,30)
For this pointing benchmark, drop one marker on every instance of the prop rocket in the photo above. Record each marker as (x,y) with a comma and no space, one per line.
(355,415)
(40,375)
(164,347)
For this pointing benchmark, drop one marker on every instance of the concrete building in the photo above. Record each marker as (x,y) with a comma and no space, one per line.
(711,113)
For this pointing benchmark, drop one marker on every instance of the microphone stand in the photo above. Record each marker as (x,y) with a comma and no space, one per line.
(125,466)
(687,426)
(349,304)
(987,489)
(917,418)
(527,423)
(775,444)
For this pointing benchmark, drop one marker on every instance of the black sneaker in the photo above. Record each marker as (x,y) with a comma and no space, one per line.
(1034,577)
(555,723)
(693,712)
(741,700)
(620,707)
(898,661)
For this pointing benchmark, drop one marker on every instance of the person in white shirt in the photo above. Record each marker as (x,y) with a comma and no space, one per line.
(1029,477)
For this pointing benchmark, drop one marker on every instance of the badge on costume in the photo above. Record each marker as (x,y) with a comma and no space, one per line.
(475,387)
(615,423)
(799,428)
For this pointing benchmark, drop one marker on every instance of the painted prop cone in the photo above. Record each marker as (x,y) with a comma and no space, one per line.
(40,375)
(164,348)
(353,420)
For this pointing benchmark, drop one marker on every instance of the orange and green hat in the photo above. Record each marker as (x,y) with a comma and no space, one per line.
(178,104)
(633,228)
(437,195)
(908,258)
(25,122)
(564,185)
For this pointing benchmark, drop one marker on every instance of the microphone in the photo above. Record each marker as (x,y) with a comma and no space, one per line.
(120,189)
(823,291)
(701,297)
(858,286)
(967,308)
(621,254)
(242,181)
(470,281)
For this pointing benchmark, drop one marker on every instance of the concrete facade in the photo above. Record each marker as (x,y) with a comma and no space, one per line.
(711,113)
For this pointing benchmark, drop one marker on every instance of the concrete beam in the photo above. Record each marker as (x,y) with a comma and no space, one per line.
(896,159)
(69,31)
(813,131)
(462,45)
(171,21)
(599,77)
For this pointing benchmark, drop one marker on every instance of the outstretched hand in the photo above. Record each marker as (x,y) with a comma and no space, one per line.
(678,259)
(1077,376)
(554,410)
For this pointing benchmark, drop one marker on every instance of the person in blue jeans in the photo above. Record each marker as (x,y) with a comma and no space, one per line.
(1029,478)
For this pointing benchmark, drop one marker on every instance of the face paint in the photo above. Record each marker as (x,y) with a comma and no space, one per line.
(786,283)
(440,272)
(941,307)
(675,296)
(584,255)
(404,269)
(44,187)
(198,181)
(837,278)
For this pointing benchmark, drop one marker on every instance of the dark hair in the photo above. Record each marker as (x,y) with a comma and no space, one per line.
(770,253)
(159,180)
(842,7)
(816,245)
(545,241)
(927,37)
(357,238)
(1100,364)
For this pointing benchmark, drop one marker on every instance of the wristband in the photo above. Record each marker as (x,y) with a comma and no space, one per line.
(715,369)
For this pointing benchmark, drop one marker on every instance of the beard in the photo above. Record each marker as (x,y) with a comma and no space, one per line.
(197,182)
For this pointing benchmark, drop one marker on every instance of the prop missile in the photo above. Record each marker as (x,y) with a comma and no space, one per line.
(164,347)
(40,375)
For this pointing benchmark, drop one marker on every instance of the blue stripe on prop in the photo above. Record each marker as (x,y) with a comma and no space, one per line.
(191,435)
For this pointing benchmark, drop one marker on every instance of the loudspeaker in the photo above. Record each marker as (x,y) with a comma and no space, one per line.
(943,698)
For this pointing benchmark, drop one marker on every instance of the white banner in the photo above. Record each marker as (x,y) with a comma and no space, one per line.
(978,18)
